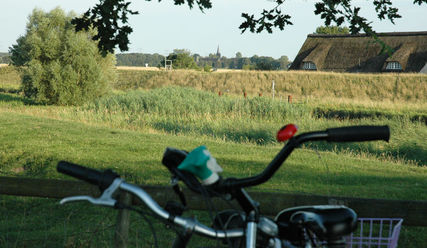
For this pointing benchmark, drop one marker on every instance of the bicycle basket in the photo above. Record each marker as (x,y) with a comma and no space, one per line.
(375,232)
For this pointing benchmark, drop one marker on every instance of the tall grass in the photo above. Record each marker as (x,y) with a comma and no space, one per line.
(191,112)
(185,101)
(362,87)
(188,111)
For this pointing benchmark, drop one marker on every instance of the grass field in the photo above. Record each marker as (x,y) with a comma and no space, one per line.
(31,146)
(129,129)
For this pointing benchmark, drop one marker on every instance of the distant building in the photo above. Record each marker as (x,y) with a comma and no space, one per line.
(214,59)
(360,53)
(218,54)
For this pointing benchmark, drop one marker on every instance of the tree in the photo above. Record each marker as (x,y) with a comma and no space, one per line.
(20,52)
(284,62)
(106,17)
(108,13)
(332,30)
(62,66)
(264,63)
(182,59)
(245,63)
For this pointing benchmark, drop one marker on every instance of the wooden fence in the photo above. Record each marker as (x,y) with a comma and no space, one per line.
(414,213)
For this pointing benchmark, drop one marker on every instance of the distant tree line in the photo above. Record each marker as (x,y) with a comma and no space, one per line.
(139,59)
(246,63)
(4,58)
(182,58)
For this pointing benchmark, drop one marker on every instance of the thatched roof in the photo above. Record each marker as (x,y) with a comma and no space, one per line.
(360,53)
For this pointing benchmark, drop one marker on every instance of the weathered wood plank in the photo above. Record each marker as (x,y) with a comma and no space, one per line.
(50,188)
(414,213)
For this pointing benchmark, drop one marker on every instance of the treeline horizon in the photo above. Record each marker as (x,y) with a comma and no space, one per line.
(4,58)
(213,60)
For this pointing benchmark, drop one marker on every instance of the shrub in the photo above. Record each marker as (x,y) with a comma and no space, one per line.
(207,68)
(62,66)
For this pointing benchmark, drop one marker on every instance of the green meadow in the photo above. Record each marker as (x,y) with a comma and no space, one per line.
(129,129)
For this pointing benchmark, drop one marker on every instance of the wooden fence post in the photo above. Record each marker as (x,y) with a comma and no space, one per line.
(123,220)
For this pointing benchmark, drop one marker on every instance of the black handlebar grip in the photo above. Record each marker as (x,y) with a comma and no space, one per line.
(101,179)
(358,133)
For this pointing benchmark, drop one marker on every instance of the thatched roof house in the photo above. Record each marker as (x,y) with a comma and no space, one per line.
(359,53)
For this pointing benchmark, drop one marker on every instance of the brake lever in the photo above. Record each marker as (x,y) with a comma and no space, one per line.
(106,199)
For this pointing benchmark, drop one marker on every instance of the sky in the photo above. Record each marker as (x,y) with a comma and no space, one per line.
(163,27)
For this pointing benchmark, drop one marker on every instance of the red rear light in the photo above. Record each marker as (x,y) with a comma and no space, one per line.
(286,132)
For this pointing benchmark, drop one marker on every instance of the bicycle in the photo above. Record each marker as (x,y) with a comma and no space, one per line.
(304,226)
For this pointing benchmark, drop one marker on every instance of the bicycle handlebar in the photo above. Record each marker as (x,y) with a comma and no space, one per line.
(102,179)
(107,177)
(341,134)
(358,133)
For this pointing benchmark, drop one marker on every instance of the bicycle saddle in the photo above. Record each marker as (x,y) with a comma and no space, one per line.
(326,221)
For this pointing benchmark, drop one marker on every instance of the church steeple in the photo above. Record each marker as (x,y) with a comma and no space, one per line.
(218,54)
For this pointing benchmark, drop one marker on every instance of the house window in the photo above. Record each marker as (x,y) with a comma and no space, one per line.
(309,66)
(393,66)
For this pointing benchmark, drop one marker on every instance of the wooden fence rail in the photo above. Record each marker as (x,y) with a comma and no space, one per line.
(414,213)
